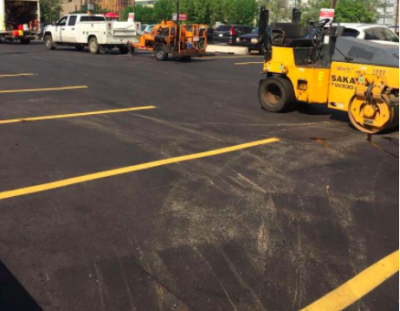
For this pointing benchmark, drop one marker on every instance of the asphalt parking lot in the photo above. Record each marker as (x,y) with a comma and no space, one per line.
(140,185)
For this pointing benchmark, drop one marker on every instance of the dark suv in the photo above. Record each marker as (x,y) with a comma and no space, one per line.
(229,33)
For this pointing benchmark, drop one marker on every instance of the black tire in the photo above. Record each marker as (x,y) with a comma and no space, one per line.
(25,40)
(276,94)
(124,49)
(186,58)
(48,42)
(102,49)
(94,46)
(79,47)
(160,53)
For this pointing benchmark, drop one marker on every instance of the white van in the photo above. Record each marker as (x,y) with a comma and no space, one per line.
(92,30)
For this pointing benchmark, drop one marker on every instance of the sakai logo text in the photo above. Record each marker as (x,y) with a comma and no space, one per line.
(343,82)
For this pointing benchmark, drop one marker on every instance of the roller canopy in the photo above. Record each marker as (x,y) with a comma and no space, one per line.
(360,51)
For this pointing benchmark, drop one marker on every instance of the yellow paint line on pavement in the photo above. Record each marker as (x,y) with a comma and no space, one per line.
(228,57)
(74,115)
(50,89)
(249,63)
(17,75)
(129,169)
(359,286)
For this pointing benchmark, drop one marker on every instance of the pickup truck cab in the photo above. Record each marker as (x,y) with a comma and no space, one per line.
(91,30)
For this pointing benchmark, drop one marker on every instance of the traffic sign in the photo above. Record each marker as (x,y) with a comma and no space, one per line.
(327,13)
(182,17)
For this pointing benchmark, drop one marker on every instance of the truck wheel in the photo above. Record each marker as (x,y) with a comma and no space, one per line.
(186,58)
(102,49)
(48,42)
(160,53)
(79,47)
(276,94)
(25,41)
(94,47)
(124,49)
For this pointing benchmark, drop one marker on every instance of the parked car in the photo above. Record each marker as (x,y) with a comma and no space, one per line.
(210,34)
(229,33)
(375,33)
(250,41)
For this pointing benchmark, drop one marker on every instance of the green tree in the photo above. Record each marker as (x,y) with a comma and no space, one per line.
(187,7)
(347,11)
(354,11)
(96,10)
(164,9)
(143,14)
(218,11)
(202,11)
(279,11)
(241,11)
(312,10)
(50,10)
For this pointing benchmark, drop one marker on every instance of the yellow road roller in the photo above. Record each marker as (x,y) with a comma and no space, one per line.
(318,65)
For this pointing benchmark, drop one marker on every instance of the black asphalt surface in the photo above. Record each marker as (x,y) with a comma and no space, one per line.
(273,227)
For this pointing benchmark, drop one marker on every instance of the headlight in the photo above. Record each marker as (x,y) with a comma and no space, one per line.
(254,41)
(238,40)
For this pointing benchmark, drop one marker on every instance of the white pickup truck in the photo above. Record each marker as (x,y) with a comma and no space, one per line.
(92,30)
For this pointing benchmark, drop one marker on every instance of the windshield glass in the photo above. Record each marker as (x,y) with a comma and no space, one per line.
(224,28)
(255,30)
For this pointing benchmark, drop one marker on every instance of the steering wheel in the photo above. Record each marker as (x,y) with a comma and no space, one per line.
(317,31)
(322,23)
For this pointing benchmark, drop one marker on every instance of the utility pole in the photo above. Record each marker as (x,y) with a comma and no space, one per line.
(333,4)
(134,7)
(397,17)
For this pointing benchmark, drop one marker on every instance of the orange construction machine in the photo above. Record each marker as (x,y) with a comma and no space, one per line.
(170,37)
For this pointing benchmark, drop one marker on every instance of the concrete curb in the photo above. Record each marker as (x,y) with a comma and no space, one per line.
(238,50)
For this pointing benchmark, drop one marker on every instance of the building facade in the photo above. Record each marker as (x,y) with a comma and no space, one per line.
(389,13)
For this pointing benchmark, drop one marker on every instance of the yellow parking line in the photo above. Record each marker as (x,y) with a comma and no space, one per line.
(358,286)
(228,57)
(249,63)
(74,115)
(46,89)
(18,75)
(129,169)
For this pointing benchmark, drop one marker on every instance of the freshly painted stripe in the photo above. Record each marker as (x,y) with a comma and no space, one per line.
(359,286)
(229,57)
(249,63)
(50,89)
(17,75)
(129,169)
(74,115)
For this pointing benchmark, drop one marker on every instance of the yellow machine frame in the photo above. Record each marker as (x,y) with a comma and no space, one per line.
(369,93)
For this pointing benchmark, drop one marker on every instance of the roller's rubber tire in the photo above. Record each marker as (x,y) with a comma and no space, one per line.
(160,54)
(276,94)
(48,42)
